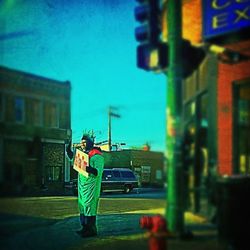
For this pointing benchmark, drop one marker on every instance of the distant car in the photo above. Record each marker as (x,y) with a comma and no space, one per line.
(115,179)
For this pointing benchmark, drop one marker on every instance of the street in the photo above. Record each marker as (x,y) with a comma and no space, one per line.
(21,217)
(60,207)
(50,223)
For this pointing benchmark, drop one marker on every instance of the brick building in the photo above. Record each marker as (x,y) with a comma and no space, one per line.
(149,166)
(34,127)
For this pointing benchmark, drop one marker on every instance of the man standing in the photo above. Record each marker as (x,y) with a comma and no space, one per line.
(89,187)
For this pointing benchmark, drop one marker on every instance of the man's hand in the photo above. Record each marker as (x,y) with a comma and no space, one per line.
(91,170)
(69,151)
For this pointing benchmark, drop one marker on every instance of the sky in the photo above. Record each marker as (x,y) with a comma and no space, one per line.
(90,43)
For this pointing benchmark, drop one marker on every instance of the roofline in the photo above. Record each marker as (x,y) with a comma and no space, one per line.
(35,77)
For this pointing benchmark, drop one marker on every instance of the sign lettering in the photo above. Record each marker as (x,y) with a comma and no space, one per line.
(224,17)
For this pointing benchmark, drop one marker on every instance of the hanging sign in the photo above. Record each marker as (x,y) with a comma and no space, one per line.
(222,17)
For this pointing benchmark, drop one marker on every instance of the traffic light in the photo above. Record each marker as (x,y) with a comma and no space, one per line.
(152,57)
(147,13)
(151,52)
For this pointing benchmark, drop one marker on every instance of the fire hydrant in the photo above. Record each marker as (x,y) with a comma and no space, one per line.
(158,232)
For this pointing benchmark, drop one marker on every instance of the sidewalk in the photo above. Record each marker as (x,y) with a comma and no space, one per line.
(116,231)
(126,234)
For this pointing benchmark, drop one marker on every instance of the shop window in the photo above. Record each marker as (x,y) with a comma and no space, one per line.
(1,107)
(189,88)
(189,111)
(204,105)
(203,69)
(53,173)
(242,130)
(19,109)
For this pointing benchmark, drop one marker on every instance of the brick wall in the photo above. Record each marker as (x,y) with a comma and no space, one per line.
(191,21)
(226,75)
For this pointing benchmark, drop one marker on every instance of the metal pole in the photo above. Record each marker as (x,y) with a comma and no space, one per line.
(174,212)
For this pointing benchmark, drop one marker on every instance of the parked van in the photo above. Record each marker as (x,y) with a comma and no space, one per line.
(115,179)
(118,179)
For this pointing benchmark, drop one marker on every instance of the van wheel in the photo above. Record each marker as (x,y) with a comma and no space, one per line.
(127,189)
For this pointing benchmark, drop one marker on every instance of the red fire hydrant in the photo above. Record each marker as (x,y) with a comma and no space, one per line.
(158,232)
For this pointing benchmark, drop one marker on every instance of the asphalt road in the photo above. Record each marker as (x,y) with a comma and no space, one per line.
(150,193)
(27,212)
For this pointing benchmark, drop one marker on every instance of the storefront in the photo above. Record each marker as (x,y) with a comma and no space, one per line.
(216,97)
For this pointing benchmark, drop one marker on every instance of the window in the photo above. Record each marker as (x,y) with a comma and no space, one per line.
(19,109)
(1,107)
(204,108)
(51,115)
(189,87)
(158,174)
(126,174)
(107,174)
(37,113)
(53,173)
(189,111)
(54,117)
(242,129)
(116,174)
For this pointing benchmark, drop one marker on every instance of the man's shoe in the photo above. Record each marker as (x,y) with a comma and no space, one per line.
(89,228)
(89,232)
(81,231)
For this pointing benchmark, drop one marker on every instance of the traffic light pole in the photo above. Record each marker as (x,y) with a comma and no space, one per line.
(174,211)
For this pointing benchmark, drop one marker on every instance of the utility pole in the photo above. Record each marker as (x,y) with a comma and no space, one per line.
(110,114)
(174,212)
(109,129)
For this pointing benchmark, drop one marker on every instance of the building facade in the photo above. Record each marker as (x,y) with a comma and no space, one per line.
(34,128)
(216,96)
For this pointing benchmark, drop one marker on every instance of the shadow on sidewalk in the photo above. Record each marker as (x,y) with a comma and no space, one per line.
(123,232)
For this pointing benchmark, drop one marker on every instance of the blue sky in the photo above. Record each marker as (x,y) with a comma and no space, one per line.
(90,43)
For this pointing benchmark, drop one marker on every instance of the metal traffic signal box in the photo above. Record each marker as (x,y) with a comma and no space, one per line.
(151,52)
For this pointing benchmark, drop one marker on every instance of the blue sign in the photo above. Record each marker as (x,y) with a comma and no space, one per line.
(224,16)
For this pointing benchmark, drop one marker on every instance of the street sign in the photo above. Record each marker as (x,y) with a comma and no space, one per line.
(225,17)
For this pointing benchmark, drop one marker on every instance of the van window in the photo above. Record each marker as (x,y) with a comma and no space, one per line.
(107,174)
(127,174)
(116,174)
